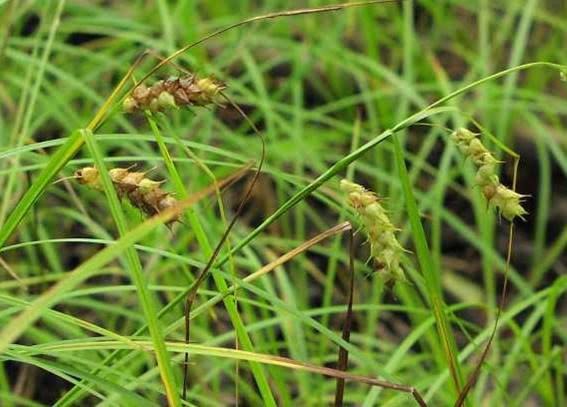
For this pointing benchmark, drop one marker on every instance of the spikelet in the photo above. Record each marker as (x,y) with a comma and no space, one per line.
(173,93)
(143,193)
(507,201)
(385,249)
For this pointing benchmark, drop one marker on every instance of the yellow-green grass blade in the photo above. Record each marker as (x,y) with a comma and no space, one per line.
(146,299)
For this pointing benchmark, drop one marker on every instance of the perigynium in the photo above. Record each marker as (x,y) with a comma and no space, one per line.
(385,250)
(505,200)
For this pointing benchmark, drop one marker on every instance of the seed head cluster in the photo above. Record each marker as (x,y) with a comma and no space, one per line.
(385,249)
(507,201)
(173,93)
(143,193)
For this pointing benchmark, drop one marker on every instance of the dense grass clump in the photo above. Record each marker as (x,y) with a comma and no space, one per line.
(241,270)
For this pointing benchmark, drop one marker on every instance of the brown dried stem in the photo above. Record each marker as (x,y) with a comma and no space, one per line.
(343,353)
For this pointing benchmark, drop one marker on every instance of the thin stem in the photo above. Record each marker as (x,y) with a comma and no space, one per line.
(343,353)
(191,296)
(474,375)
(288,13)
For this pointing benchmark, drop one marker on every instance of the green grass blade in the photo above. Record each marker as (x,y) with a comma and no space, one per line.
(230,303)
(22,132)
(14,329)
(430,273)
(147,301)
(56,163)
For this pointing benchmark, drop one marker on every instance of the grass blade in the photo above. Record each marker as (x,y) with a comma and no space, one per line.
(428,270)
(145,297)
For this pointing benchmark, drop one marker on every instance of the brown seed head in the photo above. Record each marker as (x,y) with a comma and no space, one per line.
(143,193)
(172,93)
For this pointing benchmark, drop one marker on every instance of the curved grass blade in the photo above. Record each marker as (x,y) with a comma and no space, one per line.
(145,297)
(278,14)
(430,274)
(238,355)
(192,294)
(69,373)
(342,164)
(70,397)
(14,329)
(22,131)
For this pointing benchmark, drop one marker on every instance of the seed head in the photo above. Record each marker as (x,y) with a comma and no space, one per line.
(89,176)
(147,185)
(130,105)
(385,249)
(143,193)
(173,93)
(507,202)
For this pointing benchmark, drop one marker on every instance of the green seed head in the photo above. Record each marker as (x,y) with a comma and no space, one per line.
(462,136)
(385,249)
(147,185)
(130,105)
(348,187)
(486,175)
(209,86)
(118,174)
(504,199)
(508,203)
(166,101)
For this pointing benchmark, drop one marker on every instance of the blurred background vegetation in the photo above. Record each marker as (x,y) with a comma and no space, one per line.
(318,86)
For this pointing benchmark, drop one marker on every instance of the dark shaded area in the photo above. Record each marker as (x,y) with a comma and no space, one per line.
(83,38)
(317,87)
(30,24)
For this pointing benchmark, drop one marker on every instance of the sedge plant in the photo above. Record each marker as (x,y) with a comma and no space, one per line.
(121,372)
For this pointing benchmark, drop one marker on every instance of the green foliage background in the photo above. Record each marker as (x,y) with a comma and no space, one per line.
(318,86)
